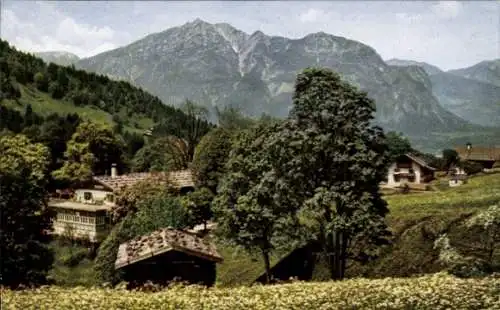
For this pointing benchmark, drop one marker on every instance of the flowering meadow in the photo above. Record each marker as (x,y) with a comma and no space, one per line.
(438,291)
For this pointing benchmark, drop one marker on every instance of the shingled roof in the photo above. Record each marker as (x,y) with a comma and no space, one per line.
(479,153)
(162,241)
(179,179)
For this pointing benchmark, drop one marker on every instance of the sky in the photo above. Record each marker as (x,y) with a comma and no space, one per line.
(448,34)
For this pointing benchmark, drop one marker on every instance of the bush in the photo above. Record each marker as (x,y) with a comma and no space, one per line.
(152,214)
(74,256)
(470,268)
(471,167)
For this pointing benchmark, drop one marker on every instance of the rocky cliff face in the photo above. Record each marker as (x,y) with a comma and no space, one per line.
(485,71)
(428,68)
(216,64)
(471,93)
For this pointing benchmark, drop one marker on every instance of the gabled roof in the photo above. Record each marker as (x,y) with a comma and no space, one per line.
(479,153)
(419,161)
(162,241)
(179,179)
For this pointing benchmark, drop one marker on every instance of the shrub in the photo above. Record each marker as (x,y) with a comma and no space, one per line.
(154,213)
(74,256)
(471,167)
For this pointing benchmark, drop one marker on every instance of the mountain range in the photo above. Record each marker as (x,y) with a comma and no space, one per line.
(219,65)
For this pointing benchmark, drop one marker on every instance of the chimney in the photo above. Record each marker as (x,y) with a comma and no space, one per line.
(114,172)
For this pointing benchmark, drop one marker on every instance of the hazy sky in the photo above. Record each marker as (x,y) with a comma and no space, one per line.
(448,34)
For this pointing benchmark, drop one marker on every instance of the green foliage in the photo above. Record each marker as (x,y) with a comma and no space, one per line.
(74,257)
(92,149)
(162,154)
(41,81)
(488,221)
(398,144)
(231,118)
(457,264)
(245,210)
(185,133)
(154,213)
(450,157)
(329,161)
(55,88)
(19,152)
(198,205)
(210,156)
(471,167)
(26,258)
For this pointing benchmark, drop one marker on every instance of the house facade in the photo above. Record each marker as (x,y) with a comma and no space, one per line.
(409,169)
(86,213)
(457,177)
(80,220)
(167,255)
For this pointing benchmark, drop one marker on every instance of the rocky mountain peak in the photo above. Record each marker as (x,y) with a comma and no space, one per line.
(219,65)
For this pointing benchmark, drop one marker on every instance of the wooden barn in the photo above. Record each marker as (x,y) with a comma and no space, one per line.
(167,255)
(486,156)
(298,264)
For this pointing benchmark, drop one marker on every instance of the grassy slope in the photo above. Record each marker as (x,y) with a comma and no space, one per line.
(415,219)
(43,104)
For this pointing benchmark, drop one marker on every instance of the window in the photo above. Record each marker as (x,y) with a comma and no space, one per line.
(110,197)
(87,195)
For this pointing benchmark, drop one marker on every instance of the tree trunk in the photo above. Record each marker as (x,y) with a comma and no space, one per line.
(267,263)
(337,249)
(343,255)
(331,255)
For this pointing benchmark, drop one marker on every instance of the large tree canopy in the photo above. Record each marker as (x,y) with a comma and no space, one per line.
(19,152)
(24,217)
(91,150)
(210,156)
(246,212)
(329,161)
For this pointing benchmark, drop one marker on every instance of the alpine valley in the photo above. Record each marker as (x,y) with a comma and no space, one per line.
(218,65)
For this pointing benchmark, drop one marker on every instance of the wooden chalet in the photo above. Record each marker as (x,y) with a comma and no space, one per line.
(411,170)
(166,255)
(80,220)
(486,156)
(86,214)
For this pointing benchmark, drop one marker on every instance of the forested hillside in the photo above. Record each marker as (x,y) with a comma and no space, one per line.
(26,79)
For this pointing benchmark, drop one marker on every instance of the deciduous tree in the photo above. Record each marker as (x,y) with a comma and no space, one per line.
(24,219)
(91,150)
(246,212)
(328,163)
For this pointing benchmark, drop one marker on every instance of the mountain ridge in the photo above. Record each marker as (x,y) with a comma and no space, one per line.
(219,65)
(61,58)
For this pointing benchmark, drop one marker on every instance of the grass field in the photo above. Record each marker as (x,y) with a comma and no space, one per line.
(434,292)
(415,219)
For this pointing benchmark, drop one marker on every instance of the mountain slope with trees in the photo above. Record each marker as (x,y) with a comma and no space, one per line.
(26,79)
